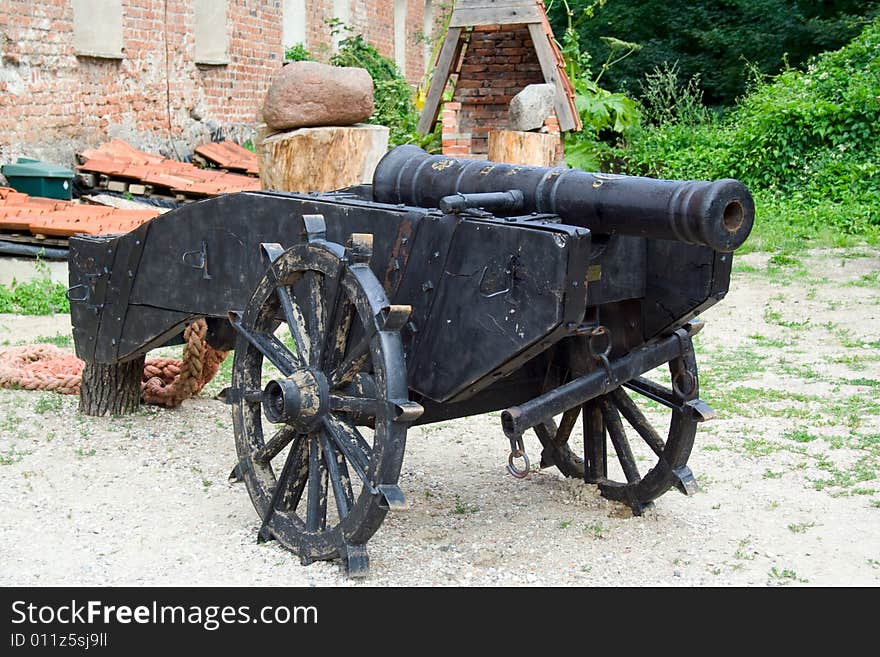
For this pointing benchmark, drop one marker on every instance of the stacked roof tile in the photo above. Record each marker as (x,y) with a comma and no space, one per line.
(122,162)
(229,155)
(43,216)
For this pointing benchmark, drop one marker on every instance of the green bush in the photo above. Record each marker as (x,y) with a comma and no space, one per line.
(40,296)
(718,41)
(807,143)
(297,53)
(392,94)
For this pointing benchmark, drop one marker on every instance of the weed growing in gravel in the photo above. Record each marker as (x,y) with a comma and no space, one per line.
(744,550)
(800,436)
(596,529)
(48,402)
(801,527)
(784,576)
(772,343)
(770,474)
(565,524)
(83,453)
(11,456)
(463,508)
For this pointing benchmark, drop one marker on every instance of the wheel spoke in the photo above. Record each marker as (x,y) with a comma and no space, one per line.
(292,493)
(315,309)
(338,473)
(618,439)
(316,506)
(268,345)
(336,340)
(274,445)
(289,473)
(353,363)
(352,445)
(595,463)
(637,420)
(295,323)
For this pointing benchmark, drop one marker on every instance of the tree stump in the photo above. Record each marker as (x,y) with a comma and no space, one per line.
(516,147)
(113,389)
(320,159)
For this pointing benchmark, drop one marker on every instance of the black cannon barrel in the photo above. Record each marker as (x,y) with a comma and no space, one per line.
(717,214)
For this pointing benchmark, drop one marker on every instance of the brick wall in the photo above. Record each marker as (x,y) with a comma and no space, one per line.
(53,102)
(498,62)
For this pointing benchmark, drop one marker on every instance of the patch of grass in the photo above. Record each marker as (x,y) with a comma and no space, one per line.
(84,453)
(744,551)
(800,528)
(800,436)
(770,474)
(463,508)
(740,267)
(775,317)
(40,296)
(565,524)
(48,402)
(871,279)
(596,529)
(872,383)
(784,576)
(11,456)
(764,341)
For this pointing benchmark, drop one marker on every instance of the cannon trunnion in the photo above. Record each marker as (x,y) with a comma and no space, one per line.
(448,288)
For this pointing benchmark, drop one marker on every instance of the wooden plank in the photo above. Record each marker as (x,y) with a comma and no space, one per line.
(448,55)
(495,16)
(549,68)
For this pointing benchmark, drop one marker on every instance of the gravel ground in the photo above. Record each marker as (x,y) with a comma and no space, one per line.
(791,493)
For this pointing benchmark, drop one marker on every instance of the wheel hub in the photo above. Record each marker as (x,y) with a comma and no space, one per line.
(301,399)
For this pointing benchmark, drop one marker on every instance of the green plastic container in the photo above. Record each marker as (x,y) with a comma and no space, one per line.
(39,178)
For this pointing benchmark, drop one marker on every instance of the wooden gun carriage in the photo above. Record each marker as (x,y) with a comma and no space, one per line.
(448,288)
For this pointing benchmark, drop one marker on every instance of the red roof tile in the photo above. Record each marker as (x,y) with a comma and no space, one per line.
(118,159)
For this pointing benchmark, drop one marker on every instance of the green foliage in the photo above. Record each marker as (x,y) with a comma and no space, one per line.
(717,41)
(297,53)
(40,296)
(605,116)
(807,143)
(391,92)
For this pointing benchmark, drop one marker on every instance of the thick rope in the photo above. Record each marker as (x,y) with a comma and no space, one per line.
(165,381)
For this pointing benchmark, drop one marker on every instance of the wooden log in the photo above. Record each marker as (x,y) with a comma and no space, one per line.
(517,147)
(320,159)
(113,389)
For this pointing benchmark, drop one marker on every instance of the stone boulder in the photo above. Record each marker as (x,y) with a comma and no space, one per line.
(531,106)
(313,94)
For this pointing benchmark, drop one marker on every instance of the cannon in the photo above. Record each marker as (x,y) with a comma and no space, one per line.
(445,289)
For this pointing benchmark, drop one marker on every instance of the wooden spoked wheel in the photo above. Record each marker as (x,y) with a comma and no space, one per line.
(618,417)
(319,399)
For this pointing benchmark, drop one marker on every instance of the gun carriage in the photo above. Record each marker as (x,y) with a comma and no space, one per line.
(445,289)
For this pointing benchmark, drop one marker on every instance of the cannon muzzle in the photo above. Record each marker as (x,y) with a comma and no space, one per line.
(717,214)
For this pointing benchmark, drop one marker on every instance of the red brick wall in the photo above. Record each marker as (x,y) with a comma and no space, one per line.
(53,103)
(374,19)
(498,63)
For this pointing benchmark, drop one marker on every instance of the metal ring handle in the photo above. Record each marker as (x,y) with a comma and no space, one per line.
(512,469)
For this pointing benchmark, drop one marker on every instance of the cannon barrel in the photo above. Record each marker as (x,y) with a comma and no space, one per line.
(717,214)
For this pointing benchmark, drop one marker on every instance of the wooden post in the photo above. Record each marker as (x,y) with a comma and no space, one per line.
(113,389)
(321,159)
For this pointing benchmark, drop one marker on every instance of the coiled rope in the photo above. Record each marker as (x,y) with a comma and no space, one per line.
(165,381)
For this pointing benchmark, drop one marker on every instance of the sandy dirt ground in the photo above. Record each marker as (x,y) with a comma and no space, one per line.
(790,473)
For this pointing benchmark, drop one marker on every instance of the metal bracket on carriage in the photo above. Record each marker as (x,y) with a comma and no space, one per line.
(390,497)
